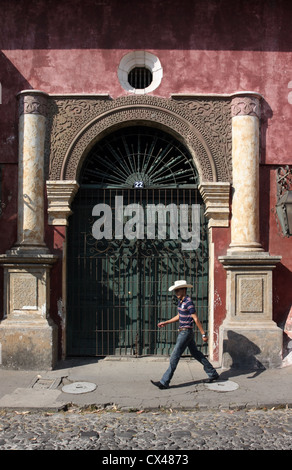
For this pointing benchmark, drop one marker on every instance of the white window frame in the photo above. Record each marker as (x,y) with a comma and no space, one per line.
(140,59)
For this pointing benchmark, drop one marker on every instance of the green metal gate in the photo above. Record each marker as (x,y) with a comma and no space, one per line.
(118,286)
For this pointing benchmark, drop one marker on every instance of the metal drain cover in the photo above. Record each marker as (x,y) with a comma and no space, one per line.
(79,387)
(42,383)
(223,386)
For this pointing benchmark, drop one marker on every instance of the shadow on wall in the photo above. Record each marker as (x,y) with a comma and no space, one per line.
(242,352)
(218,25)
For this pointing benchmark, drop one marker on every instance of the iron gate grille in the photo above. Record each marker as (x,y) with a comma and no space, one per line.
(118,288)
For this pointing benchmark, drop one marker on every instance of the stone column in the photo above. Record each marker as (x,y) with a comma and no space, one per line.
(245,235)
(248,336)
(32,129)
(28,336)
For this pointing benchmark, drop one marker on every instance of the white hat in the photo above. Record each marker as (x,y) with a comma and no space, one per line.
(179,285)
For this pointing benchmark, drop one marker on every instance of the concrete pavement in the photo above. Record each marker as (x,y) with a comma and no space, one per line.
(124,384)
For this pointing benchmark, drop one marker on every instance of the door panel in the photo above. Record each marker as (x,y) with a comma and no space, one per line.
(118,288)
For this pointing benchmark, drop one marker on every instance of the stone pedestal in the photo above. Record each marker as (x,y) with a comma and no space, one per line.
(249,337)
(28,337)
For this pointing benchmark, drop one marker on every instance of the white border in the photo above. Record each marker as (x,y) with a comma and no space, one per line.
(140,59)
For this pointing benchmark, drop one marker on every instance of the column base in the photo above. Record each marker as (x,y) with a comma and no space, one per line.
(28,251)
(244,248)
(28,345)
(256,347)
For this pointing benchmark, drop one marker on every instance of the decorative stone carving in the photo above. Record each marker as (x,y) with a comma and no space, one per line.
(251,294)
(24,291)
(76,123)
(246,106)
(33,104)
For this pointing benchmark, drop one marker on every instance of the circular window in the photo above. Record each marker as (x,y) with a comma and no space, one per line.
(140,72)
(140,78)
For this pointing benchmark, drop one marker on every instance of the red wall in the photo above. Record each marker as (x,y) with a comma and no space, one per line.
(204,47)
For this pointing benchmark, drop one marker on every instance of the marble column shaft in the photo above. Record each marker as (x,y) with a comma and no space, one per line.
(245,234)
(32,128)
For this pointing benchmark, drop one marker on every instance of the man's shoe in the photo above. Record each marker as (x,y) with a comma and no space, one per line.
(159,385)
(211,379)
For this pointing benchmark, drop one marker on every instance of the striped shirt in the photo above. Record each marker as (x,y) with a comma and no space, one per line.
(185,310)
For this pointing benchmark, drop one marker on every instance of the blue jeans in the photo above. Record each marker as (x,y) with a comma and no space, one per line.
(186,339)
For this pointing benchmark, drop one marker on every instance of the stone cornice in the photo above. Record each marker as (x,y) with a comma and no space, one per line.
(60,194)
(216,198)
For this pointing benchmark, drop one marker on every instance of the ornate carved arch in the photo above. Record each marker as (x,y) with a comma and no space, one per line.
(202,124)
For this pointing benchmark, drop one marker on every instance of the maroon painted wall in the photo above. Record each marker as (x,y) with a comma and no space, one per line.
(204,47)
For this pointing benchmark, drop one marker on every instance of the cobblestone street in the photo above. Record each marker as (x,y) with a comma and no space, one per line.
(155,431)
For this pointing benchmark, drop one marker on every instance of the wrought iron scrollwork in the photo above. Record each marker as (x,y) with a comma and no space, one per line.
(139,154)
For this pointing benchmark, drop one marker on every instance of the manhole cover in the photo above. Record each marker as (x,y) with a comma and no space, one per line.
(40,383)
(223,386)
(79,387)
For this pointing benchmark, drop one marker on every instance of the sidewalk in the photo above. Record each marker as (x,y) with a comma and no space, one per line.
(124,384)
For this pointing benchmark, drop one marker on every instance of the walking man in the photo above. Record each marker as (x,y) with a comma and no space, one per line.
(186,317)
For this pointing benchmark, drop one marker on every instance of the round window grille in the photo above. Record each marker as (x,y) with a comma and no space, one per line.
(140,77)
(139,157)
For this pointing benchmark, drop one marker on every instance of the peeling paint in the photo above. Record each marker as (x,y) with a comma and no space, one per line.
(217,299)
(61,312)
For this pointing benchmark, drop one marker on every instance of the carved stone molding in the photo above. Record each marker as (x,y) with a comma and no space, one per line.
(216,199)
(33,102)
(75,123)
(60,194)
(245,106)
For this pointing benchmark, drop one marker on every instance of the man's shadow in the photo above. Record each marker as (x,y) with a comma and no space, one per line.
(243,355)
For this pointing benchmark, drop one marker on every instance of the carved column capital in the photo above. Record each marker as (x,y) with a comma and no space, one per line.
(245,106)
(32,102)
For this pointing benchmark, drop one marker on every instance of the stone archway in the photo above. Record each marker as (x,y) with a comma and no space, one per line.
(202,124)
